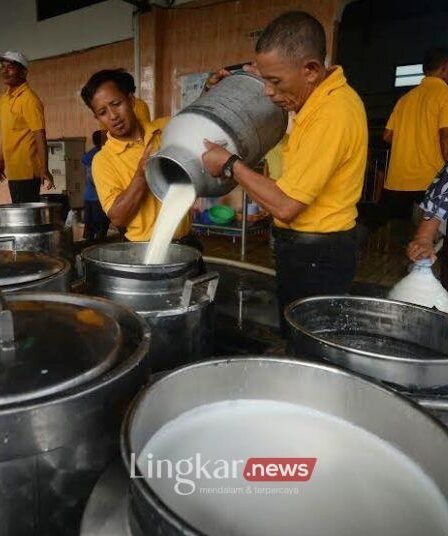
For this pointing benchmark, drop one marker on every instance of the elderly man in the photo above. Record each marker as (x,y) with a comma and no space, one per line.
(314,200)
(119,168)
(23,154)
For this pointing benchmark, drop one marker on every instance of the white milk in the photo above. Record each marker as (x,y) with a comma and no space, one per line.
(177,202)
(360,485)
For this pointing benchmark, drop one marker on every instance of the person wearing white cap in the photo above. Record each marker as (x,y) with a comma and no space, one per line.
(23,150)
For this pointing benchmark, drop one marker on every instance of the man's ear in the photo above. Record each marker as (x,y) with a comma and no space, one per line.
(131,97)
(312,69)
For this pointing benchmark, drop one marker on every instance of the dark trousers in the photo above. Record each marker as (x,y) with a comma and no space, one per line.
(24,191)
(96,222)
(311,264)
(398,205)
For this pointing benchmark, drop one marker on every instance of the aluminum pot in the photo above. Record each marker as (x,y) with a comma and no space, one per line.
(69,367)
(174,298)
(29,271)
(36,227)
(369,410)
(236,114)
(399,343)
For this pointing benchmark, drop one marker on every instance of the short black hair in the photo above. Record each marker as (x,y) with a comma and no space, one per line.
(122,79)
(296,34)
(97,138)
(434,58)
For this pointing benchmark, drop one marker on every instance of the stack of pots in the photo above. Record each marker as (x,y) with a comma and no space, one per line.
(31,271)
(70,365)
(36,227)
(175,298)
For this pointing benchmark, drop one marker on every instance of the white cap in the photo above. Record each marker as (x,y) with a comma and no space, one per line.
(18,57)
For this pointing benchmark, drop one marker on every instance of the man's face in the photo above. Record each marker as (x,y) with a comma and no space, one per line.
(13,73)
(115,110)
(287,83)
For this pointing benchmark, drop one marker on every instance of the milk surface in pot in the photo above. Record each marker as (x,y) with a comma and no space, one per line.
(360,484)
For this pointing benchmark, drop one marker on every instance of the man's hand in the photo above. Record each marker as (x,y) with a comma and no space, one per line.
(216,77)
(214,158)
(46,179)
(149,151)
(421,248)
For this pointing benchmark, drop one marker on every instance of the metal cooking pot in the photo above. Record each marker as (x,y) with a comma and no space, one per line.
(36,227)
(174,298)
(27,271)
(69,365)
(237,114)
(350,412)
(402,344)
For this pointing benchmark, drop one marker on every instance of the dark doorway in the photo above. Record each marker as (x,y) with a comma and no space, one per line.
(376,36)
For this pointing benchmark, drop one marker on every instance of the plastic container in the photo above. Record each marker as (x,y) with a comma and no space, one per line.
(421,287)
(221,214)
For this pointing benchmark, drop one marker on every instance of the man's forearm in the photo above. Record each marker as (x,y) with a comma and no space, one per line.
(266,193)
(42,150)
(128,203)
(428,229)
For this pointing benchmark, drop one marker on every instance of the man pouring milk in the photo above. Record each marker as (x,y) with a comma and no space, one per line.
(119,168)
(314,201)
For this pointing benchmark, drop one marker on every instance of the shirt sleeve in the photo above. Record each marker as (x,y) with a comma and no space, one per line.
(107,181)
(315,159)
(391,122)
(33,113)
(435,202)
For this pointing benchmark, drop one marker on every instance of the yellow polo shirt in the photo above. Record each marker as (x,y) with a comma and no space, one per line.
(416,156)
(113,169)
(325,158)
(21,114)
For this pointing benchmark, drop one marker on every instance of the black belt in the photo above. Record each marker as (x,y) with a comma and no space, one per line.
(310,238)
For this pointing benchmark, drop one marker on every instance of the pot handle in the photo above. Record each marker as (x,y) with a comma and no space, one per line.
(12,240)
(211,280)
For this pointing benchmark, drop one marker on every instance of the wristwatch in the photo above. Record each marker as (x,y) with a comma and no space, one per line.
(227,168)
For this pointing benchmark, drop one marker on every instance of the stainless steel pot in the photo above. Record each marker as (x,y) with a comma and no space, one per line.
(36,227)
(174,299)
(69,366)
(236,114)
(30,271)
(345,475)
(402,344)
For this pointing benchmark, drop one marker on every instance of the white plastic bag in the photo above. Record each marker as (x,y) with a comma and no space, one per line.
(421,287)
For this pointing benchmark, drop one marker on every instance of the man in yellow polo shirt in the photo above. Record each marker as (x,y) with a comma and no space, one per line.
(418,132)
(118,169)
(23,152)
(314,201)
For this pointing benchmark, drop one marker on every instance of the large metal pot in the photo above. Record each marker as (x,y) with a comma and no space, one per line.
(174,299)
(69,366)
(236,114)
(401,344)
(396,342)
(36,227)
(344,419)
(30,271)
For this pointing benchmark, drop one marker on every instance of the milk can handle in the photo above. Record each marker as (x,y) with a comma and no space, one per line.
(13,242)
(211,279)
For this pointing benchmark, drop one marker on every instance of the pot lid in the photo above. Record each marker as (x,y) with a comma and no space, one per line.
(19,267)
(48,347)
